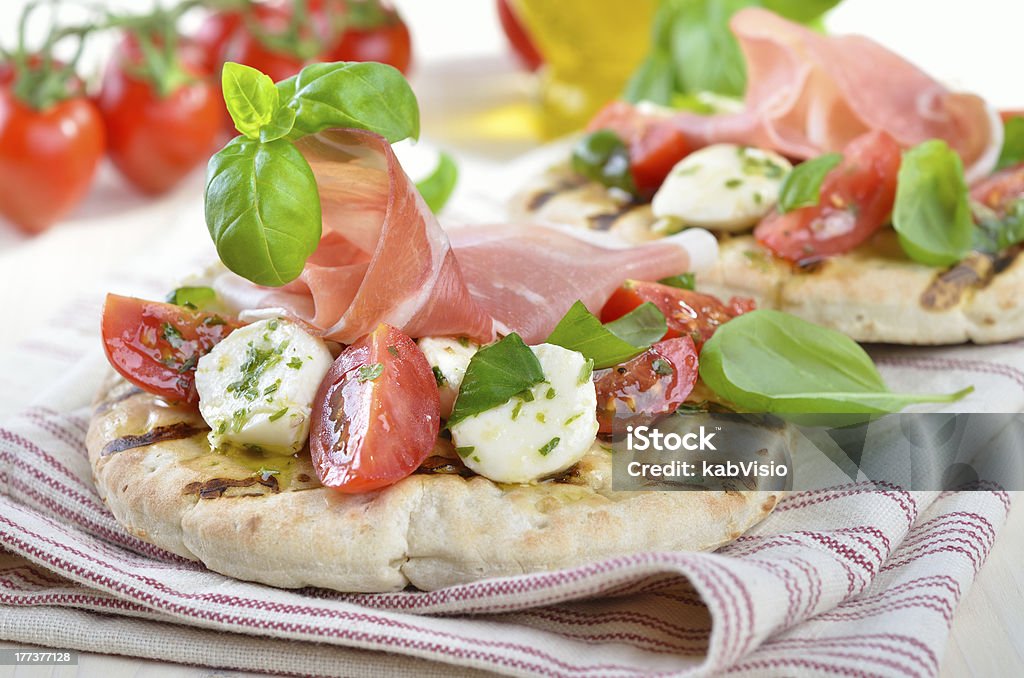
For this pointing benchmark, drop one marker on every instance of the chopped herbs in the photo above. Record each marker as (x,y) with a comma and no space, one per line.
(257,362)
(171,334)
(369,372)
(393,351)
(756,163)
(277,415)
(541,417)
(464,342)
(273,324)
(295,363)
(439,376)
(586,372)
(550,445)
(465,451)
(222,426)
(264,474)
(213,320)
(573,418)
(516,410)
(733,183)
(527,396)
(238,419)
(550,394)
(188,364)
(272,388)
(662,367)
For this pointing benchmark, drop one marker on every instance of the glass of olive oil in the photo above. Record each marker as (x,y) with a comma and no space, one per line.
(590,49)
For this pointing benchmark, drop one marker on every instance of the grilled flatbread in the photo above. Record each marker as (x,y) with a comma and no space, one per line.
(872,294)
(267,519)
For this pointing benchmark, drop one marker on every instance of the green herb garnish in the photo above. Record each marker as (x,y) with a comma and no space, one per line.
(662,367)
(464,451)
(614,342)
(684,281)
(437,188)
(495,375)
(277,415)
(802,188)
(768,361)
(439,376)
(548,446)
(369,372)
(194,298)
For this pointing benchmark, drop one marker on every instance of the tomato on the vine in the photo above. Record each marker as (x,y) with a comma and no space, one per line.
(50,143)
(158,130)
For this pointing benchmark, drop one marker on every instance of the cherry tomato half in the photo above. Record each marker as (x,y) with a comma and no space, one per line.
(377,414)
(48,158)
(655,145)
(647,387)
(1000,190)
(856,200)
(156,346)
(688,313)
(155,140)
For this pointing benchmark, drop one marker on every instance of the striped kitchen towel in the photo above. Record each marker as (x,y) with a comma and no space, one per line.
(849,581)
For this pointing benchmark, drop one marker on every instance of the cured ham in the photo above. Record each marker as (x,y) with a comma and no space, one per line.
(527,277)
(384,258)
(809,94)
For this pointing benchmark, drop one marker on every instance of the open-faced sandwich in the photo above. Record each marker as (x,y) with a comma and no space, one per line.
(849,188)
(360,400)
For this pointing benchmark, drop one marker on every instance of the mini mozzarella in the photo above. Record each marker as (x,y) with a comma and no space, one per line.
(449,359)
(723,187)
(524,440)
(256,387)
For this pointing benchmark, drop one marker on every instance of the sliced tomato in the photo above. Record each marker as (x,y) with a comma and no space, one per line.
(655,145)
(647,387)
(688,313)
(377,414)
(1000,190)
(156,346)
(856,200)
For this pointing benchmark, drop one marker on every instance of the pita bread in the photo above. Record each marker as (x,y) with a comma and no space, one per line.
(441,526)
(872,294)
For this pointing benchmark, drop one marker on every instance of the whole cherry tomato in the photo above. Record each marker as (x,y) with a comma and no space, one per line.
(518,38)
(377,414)
(158,132)
(379,35)
(213,36)
(49,152)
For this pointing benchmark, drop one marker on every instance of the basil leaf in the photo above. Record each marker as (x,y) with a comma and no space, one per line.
(684,281)
(250,97)
(768,361)
(802,186)
(280,125)
(437,188)
(932,215)
(611,344)
(262,209)
(193,297)
(603,157)
(361,95)
(994,233)
(693,49)
(654,81)
(495,374)
(1012,152)
(802,11)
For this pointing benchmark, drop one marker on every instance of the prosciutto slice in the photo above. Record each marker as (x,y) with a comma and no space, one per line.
(809,94)
(384,258)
